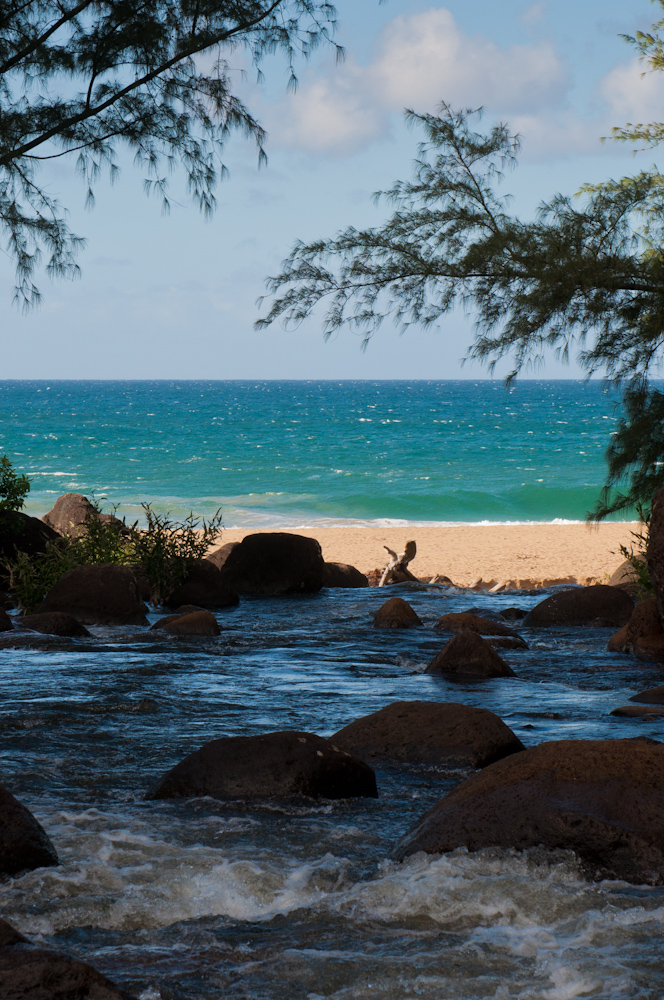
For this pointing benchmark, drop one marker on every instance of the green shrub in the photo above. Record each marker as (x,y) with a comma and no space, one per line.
(635,555)
(13,488)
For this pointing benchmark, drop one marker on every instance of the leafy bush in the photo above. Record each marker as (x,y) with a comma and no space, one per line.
(635,555)
(13,488)
(163,552)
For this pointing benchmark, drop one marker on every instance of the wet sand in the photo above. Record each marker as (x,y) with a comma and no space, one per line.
(525,555)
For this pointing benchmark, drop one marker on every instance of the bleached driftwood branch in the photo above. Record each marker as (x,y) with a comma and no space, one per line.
(397,570)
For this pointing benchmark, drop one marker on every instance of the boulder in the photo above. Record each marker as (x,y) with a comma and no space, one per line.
(625,576)
(652,696)
(425,732)
(273,765)
(28,972)
(6,624)
(638,711)
(24,844)
(105,594)
(275,562)
(649,647)
(21,533)
(69,513)
(396,613)
(507,642)
(203,586)
(469,655)
(220,554)
(582,606)
(603,799)
(194,623)
(513,614)
(336,574)
(54,623)
(466,621)
(644,622)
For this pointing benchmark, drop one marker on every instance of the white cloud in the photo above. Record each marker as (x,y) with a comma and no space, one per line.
(421,60)
(632,95)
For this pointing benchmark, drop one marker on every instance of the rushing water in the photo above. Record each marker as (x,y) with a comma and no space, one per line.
(203,900)
(296,453)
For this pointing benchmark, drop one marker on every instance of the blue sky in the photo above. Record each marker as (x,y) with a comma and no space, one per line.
(175,296)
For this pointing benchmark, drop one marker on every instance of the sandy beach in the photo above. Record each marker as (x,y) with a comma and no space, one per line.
(519,555)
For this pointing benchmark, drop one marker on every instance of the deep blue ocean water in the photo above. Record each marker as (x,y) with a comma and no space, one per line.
(305,453)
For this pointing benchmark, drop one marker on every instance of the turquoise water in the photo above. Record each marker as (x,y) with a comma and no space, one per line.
(312,453)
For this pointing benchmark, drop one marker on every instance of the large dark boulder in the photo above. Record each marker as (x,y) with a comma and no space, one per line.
(603,799)
(21,533)
(396,613)
(69,514)
(582,606)
(54,623)
(274,562)
(273,765)
(220,554)
(24,844)
(468,655)
(644,623)
(28,972)
(105,594)
(204,586)
(336,574)
(425,732)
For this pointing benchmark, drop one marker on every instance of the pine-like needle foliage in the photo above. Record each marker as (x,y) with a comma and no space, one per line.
(586,274)
(86,77)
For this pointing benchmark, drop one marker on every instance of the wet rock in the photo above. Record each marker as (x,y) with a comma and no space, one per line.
(649,647)
(54,623)
(6,624)
(105,594)
(21,533)
(28,972)
(507,642)
(336,574)
(194,623)
(203,586)
(396,613)
(582,606)
(69,513)
(603,799)
(644,622)
(24,844)
(424,732)
(273,563)
(652,696)
(469,655)
(634,711)
(220,554)
(513,614)
(273,765)
(466,621)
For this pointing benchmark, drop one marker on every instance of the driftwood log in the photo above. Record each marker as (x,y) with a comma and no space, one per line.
(397,570)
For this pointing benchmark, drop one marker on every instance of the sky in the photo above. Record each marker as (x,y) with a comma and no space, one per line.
(174,296)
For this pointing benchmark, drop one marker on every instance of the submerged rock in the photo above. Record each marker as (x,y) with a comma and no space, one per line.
(336,574)
(24,844)
(54,623)
(273,765)
(203,586)
(652,696)
(425,732)
(603,799)
(469,655)
(275,562)
(582,606)
(636,711)
(28,972)
(194,623)
(467,621)
(105,594)
(396,613)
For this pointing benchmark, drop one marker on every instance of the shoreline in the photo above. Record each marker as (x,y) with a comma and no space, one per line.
(517,555)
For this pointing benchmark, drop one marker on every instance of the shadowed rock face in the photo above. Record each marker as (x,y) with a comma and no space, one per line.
(21,533)
(203,586)
(582,606)
(655,553)
(469,655)
(424,732)
(336,574)
(603,799)
(105,594)
(54,623)
(274,765)
(274,562)
(24,844)
(28,972)
(396,613)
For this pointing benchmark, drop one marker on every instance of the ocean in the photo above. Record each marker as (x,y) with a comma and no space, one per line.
(289,454)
